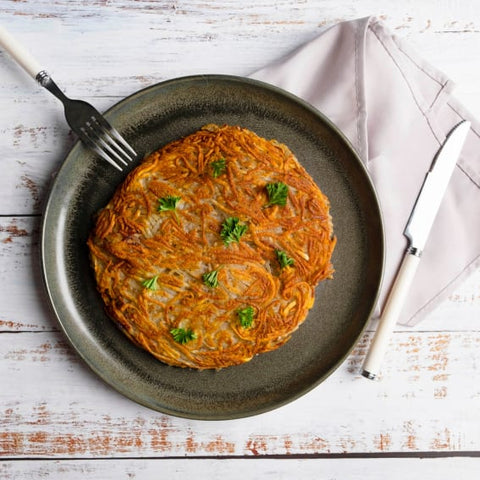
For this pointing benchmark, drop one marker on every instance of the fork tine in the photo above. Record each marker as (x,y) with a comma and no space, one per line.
(102,154)
(98,138)
(92,145)
(111,144)
(115,135)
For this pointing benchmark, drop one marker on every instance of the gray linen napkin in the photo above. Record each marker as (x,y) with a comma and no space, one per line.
(396,110)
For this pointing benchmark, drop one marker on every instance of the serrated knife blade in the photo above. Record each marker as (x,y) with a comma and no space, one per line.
(417,231)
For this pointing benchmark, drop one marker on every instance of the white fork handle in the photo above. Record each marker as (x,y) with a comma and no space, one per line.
(390,315)
(19,53)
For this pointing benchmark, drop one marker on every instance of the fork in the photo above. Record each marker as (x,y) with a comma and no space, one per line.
(84,119)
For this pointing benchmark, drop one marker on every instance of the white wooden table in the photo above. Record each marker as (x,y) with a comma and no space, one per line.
(58,420)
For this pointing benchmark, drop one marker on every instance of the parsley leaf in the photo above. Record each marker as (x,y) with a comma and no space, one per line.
(277,193)
(232,230)
(151,283)
(218,167)
(168,203)
(245,315)
(284,259)
(211,278)
(182,335)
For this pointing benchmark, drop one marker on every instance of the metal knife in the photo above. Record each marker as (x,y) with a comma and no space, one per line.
(417,231)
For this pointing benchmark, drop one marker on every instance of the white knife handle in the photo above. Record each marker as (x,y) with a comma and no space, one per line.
(390,314)
(19,53)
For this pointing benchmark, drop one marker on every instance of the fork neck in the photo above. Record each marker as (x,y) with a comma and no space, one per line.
(45,80)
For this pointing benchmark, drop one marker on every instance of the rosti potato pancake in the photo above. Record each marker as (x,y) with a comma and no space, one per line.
(209,252)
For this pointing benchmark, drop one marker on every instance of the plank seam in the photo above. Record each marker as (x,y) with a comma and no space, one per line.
(299,456)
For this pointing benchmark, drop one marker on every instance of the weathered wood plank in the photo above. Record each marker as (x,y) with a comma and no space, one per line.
(235,469)
(406,15)
(23,302)
(420,405)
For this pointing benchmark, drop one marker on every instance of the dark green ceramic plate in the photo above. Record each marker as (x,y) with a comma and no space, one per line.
(151,118)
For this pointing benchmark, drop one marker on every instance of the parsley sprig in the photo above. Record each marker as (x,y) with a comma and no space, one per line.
(151,283)
(211,278)
(183,335)
(168,203)
(284,259)
(232,230)
(277,193)
(245,316)
(218,167)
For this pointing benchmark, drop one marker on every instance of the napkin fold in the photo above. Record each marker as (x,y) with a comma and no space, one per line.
(396,110)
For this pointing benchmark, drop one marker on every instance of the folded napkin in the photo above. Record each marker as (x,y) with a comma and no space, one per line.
(396,110)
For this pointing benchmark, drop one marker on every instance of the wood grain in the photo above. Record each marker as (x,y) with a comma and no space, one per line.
(234,469)
(23,303)
(423,399)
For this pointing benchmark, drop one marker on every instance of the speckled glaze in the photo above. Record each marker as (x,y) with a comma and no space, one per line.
(151,118)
